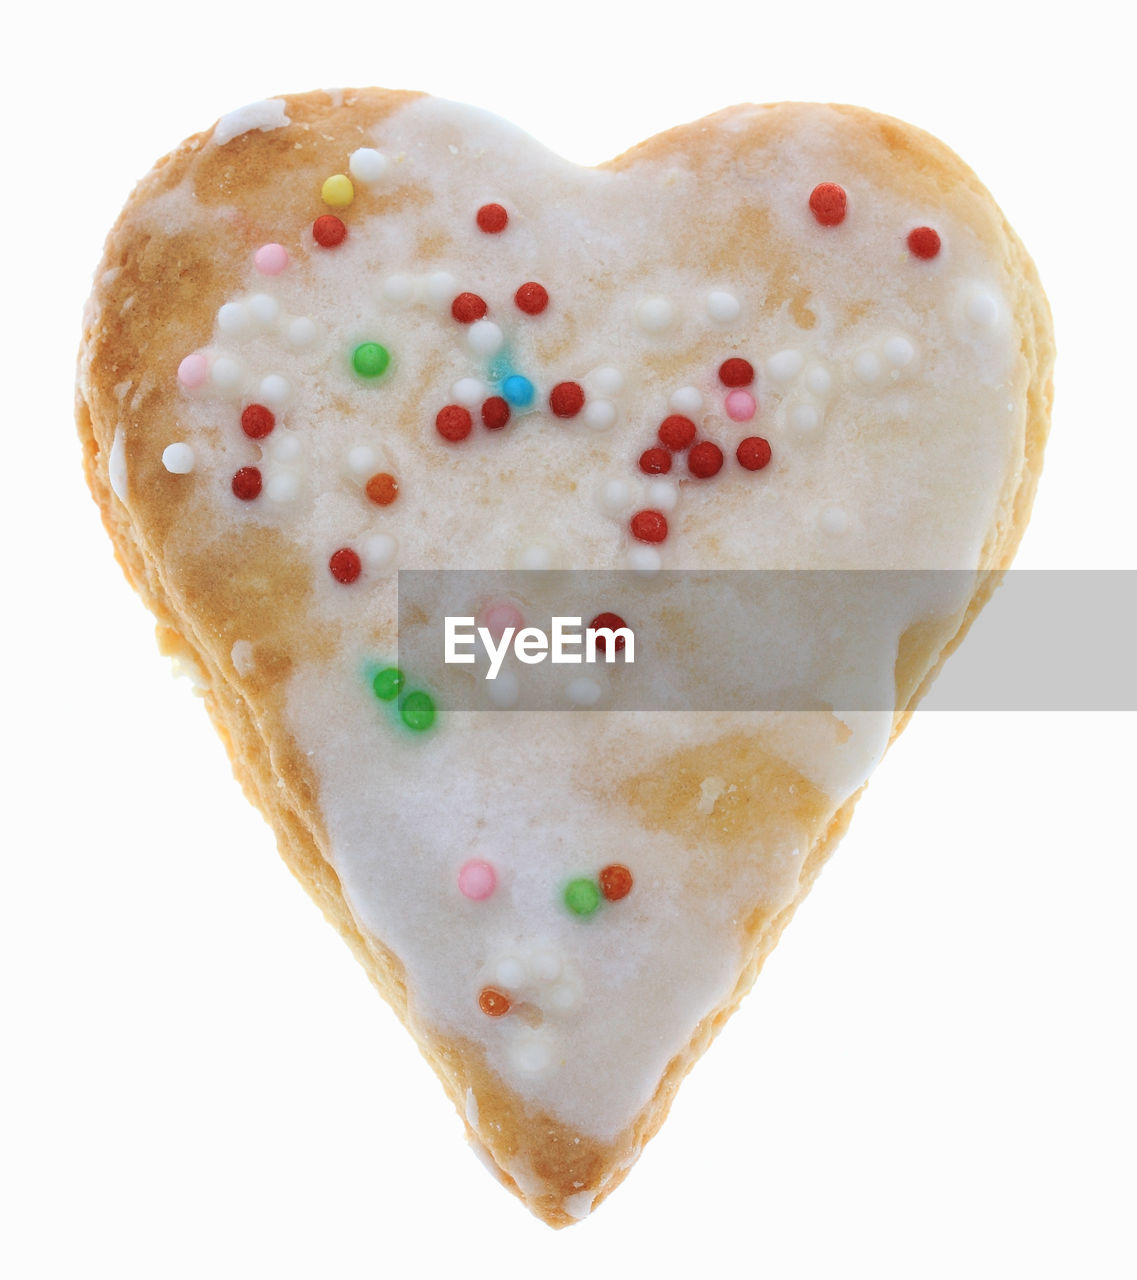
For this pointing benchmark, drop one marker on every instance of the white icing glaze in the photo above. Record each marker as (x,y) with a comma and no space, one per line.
(265,115)
(242,657)
(867,491)
(116,466)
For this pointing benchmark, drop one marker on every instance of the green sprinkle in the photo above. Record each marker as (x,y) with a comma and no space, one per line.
(388,683)
(369,359)
(417,710)
(582,897)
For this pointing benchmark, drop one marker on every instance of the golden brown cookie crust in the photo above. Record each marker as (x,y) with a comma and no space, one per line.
(155,298)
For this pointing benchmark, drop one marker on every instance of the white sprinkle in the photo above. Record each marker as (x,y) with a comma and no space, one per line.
(982,309)
(283,446)
(116,465)
(301,332)
(644,559)
(468,391)
(399,289)
(274,391)
(178,458)
(504,691)
(867,366)
(225,374)
(509,971)
(484,337)
(662,495)
(241,655)
(583,691)
(722,306)
(563,997)
(367,164)
(686,400)
(471,1109)
(834,520)
(804,417)
(599,414)
(362,461)
(819,380)
(606,380)
(532,1054)
(234,319)
(378,552)
(535,556)
(264,309)
(898,351)
(615,496)
(282,487)
(655,315)
(439,289)
(785,365)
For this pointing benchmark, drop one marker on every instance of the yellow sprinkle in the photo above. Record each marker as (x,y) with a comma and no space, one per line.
(337,191)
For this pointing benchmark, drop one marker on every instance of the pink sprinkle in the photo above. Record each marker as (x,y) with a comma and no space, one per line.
(193,370)
(498,616)
(270,259)
(740,406)
(477,879)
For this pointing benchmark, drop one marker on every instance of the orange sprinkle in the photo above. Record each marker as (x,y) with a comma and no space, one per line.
(382,489)
(492,1003)
(615,882)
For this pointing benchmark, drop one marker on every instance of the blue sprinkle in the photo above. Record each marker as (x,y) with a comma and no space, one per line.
(517,390)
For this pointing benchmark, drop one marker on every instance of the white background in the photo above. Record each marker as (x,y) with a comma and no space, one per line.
(933,1076)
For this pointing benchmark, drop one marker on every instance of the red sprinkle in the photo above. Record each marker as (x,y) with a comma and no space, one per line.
(345,565)
(495,413)
(566,399)
(615,882)
(247,483)
(454,423)
(382,488)
(923,242)
(676,432)
(492,218)
(736,372)
(257,421)
(828,203)
(753,453)
(705,460)
(655,462)
(610,622)
(328,230)
(649,526)
(468,307)
(493,1003)
(532,298)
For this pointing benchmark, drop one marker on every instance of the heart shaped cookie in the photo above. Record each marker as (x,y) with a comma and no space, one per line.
(341,336)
